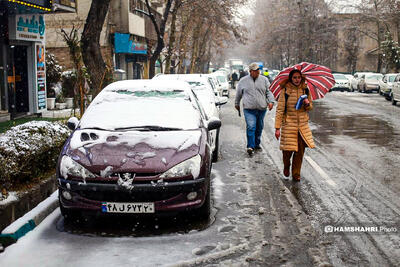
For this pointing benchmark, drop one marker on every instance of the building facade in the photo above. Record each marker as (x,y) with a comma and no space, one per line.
(124,39)
(22,56)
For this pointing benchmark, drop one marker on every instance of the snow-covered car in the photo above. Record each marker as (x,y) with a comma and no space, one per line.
(395,94)
(142,147)
(202,88)
(369,82)
(386,85)
(223,81)
(341,83)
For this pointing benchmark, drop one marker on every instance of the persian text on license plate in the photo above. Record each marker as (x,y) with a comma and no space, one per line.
(117,207)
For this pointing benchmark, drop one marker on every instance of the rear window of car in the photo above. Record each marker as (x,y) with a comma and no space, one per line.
(373,77)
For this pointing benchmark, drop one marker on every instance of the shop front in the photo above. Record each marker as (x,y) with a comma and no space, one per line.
(22,59)
(130,55)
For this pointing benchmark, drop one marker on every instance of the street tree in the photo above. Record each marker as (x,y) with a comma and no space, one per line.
(100,74)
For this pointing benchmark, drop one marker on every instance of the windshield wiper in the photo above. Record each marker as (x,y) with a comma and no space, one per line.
(148,128)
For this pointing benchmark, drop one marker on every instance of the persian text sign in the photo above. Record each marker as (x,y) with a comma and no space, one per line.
(40,77)
(124,44)
(27,27)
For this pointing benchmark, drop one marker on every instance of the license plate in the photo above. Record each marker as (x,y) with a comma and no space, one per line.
(118,207)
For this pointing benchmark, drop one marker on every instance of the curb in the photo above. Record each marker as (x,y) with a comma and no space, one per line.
(29,221)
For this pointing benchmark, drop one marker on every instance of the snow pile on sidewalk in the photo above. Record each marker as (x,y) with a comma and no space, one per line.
(29,149)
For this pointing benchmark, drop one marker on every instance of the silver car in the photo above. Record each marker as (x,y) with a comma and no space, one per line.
(369,82)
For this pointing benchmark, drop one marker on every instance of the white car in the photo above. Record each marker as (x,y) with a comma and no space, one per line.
(214,84)
(223,81)
(386,85)
(341,83)
(205,93)
(395,95)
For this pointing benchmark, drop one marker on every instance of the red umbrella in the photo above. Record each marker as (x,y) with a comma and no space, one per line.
(319,79)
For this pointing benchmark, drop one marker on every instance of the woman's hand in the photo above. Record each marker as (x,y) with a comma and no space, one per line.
(277,133)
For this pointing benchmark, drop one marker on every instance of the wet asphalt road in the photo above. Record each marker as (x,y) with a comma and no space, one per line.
(352,177)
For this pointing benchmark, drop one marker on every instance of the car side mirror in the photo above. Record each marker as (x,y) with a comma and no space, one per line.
(213,124)
(72,123)
(222,100)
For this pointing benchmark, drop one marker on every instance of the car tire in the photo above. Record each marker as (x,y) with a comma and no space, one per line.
(205,210)
(394,102)
(216,150)
(379,91)
(69,215)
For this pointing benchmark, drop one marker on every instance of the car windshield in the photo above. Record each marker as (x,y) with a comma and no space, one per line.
(391,78)
(339,77)
(130,109)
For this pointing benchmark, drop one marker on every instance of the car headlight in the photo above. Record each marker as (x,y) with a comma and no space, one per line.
(185,168)
(69,167)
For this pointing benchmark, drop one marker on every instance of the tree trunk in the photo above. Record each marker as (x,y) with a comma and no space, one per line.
(195,44)
(90,42)
(171,42)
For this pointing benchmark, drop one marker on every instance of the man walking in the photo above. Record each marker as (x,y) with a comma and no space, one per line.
(254,89)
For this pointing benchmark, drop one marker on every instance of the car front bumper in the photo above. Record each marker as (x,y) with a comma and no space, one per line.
(166,196)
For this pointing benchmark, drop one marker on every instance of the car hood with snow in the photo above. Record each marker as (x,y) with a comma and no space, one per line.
(149,152)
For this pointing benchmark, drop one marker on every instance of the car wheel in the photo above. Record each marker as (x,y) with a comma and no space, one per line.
(205,210)
(379,90)
(68,214)
(394,102)
(216,150)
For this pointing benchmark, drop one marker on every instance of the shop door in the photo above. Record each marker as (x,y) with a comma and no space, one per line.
(18,80)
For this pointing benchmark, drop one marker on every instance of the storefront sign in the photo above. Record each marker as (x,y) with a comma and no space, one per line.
(27,27)
(44,5)
(40,76)
(124,44)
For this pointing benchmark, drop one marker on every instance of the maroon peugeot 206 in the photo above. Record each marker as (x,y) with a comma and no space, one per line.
(142,146)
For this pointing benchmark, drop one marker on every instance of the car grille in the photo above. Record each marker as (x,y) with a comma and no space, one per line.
(120,196)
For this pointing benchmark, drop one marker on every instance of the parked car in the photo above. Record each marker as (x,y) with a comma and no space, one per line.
(355,81)
(386,85)
(369,82)
(142,146)
(395,94)
(223,81)
(210,103)
(214,84)
(341,83)
(350,78)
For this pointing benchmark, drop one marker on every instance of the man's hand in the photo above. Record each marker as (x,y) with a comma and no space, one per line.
(270,106)
(306,102)
(237,107)
(277,133)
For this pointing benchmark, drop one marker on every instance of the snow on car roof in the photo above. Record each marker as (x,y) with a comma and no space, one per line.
(135,103)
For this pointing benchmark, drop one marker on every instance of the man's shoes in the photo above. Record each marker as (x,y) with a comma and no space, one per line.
(258,149)
(250,151)
(286,172)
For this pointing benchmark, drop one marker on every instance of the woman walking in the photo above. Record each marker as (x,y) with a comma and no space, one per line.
(292,124)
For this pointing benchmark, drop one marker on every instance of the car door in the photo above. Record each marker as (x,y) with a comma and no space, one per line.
(396,88)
